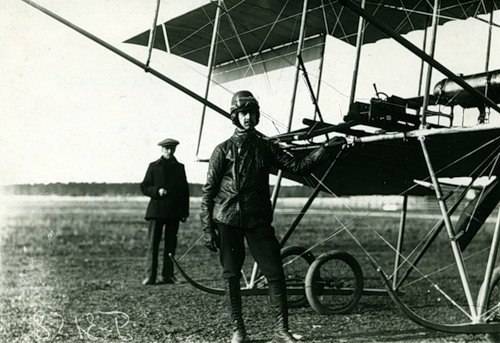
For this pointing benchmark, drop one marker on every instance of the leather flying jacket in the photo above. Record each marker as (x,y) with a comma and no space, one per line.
(237,189)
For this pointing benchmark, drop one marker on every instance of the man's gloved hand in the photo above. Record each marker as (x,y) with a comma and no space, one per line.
(162,192)
(211,239)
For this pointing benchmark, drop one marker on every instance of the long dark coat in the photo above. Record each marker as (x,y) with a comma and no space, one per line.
(170,175)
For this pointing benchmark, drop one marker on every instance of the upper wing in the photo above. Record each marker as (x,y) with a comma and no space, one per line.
(251,27)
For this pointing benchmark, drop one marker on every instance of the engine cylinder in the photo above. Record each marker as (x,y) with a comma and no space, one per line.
(447,92)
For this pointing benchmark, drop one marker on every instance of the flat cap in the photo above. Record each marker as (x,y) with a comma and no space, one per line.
(168,142)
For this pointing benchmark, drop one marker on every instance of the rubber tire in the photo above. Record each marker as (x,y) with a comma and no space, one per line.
(495,281)
(314,272)
(309,258)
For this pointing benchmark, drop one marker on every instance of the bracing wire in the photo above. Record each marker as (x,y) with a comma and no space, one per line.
(407,15)
(440,16)
(437,224)
(240,42)
(268,34)
(374,261)
(444,268)
(188,250)
(317,244)
(405,258)
(483,189)
(338,16)
(493,140)
(426,276)
(345,228)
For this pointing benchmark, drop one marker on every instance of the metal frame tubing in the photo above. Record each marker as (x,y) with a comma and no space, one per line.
(309,201)
(153,33)
(359,43)
(297,63)
(488,44)
(399,244)
(482,116)
(300,44)
(294,94)
(415,50)
(451,234)
(165,34)
(299,217)
(439,227)
(211,58)
(129,58)
(432,49)
(310,88)
(495,241)
(320,69)
(431,239)
(422,63)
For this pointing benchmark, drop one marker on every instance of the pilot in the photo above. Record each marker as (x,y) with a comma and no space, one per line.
(236,205)
(165,183)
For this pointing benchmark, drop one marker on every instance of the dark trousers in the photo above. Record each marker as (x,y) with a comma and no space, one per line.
(156,227)
(263,246)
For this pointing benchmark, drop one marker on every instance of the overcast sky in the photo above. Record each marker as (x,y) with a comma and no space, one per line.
(73,111)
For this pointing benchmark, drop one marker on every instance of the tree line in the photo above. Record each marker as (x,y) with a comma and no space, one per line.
(115,189)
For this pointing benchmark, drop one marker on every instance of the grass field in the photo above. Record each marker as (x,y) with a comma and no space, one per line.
(71,271)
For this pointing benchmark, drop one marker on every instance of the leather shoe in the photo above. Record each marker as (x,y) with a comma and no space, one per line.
(148,281)
(239,336)
(283,336)
(167,281)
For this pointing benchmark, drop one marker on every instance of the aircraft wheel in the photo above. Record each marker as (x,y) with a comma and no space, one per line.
(492,303)
(296,262)
(334,283)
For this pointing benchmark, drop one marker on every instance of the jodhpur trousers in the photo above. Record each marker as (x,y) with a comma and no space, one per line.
(262,244)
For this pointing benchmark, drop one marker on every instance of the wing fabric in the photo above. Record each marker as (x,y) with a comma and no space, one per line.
(249,27)
(389,167)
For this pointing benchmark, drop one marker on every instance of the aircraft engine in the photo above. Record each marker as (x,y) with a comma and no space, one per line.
(447,92)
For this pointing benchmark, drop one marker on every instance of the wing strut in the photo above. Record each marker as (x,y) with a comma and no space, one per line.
(211,59)
(450,230)
(152,34)
(294,93)
(428,75)
(359,43)
(482,114)
(415,50)
(276,189)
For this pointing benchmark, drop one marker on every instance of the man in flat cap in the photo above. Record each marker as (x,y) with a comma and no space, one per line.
(165,183)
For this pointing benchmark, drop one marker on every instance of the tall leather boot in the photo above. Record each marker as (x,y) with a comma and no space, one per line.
(279,305)
(233,296)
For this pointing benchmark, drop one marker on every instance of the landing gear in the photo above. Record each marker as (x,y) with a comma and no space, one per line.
(492,303)
(296,261)
(334,283)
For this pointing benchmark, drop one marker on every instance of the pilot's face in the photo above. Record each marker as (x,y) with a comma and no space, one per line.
(167,152)
(248,119)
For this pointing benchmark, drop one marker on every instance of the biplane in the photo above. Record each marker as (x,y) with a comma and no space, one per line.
(394,145)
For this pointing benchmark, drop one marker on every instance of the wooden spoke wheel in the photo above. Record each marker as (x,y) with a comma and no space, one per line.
(334,283)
